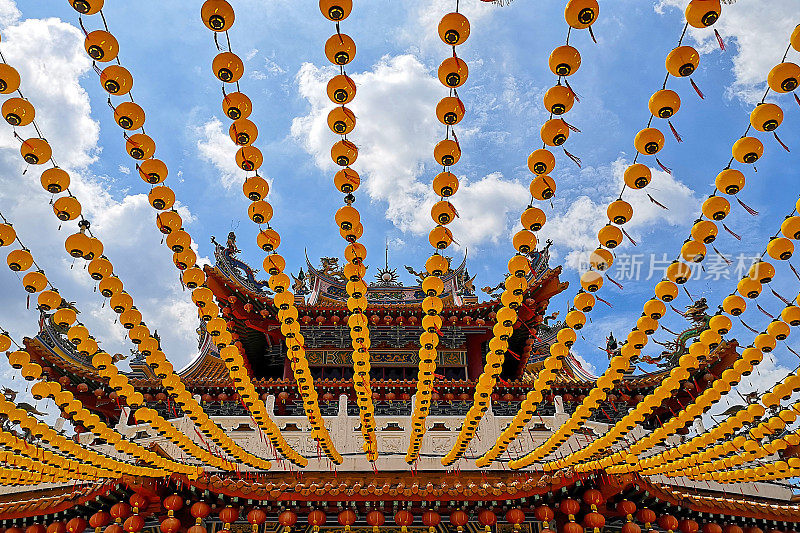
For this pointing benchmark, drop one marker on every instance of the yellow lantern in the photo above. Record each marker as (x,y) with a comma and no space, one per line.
(780,248)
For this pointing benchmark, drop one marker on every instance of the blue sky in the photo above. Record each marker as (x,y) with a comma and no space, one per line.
(169,53)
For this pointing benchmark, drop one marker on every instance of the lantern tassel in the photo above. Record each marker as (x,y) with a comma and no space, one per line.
(797,98)
(795,271)
(605,302)
(747,207)
(664,168)
(780,141)
(659,204)
(679,312)
(748,327)
(629,237)
(728,261)
(781,298)
(735,236)
(697,90)
(575,159)
(719,40)
(591,34)
(574,94)
(570,126)
(674,132)
(764,311)
(612,280)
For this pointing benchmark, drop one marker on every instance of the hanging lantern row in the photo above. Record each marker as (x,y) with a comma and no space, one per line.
(454,29)
(543,381)
(749,287)
(153,171)
(707,342)
(699,448)
(79,336)
(84,461)
(161,466)
(704,231)
(518,267)
(564,61)
(340,50)
(219,16)
(34,458)
(104,364)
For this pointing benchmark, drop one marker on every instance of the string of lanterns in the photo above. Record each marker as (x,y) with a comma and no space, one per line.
(707,342)
(558,100)
(104,466)
(92,422)
(699,448)
(340,50)
(779,248)
(563,62)
(100,269)
(219,16)
(453,29)
(78,334)
(677,273)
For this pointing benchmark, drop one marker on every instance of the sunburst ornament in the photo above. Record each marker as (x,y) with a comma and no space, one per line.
(387,277)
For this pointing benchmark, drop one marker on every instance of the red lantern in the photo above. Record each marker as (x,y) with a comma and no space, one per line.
(487,518)
(631,527)
(572,527)
(517,517)
(732,528)
(228,516)
(256,517)
(98,520)
(570,508)
(137,501)
(347,518)
(14,530)
(711,527)
(626,507)
(76,525)
(287,519)
(197,528)
(375,519)
(753,529)
(170,525)
(39,528)
(200,510)
(316,518)
(593,498)
(55,527)
(133,524)
(114,528)
(431,519)
(403,519)
(670,523)
(173,503)
(594,520)
(647,517)
(690,526)
(119,512)
(543,513)
(459,519)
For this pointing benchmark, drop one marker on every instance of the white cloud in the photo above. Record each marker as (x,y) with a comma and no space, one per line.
(396,132)
(124,170)
(761,36)
(215,146)
(9,14)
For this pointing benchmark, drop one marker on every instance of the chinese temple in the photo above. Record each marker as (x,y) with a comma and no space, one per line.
(328,397)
